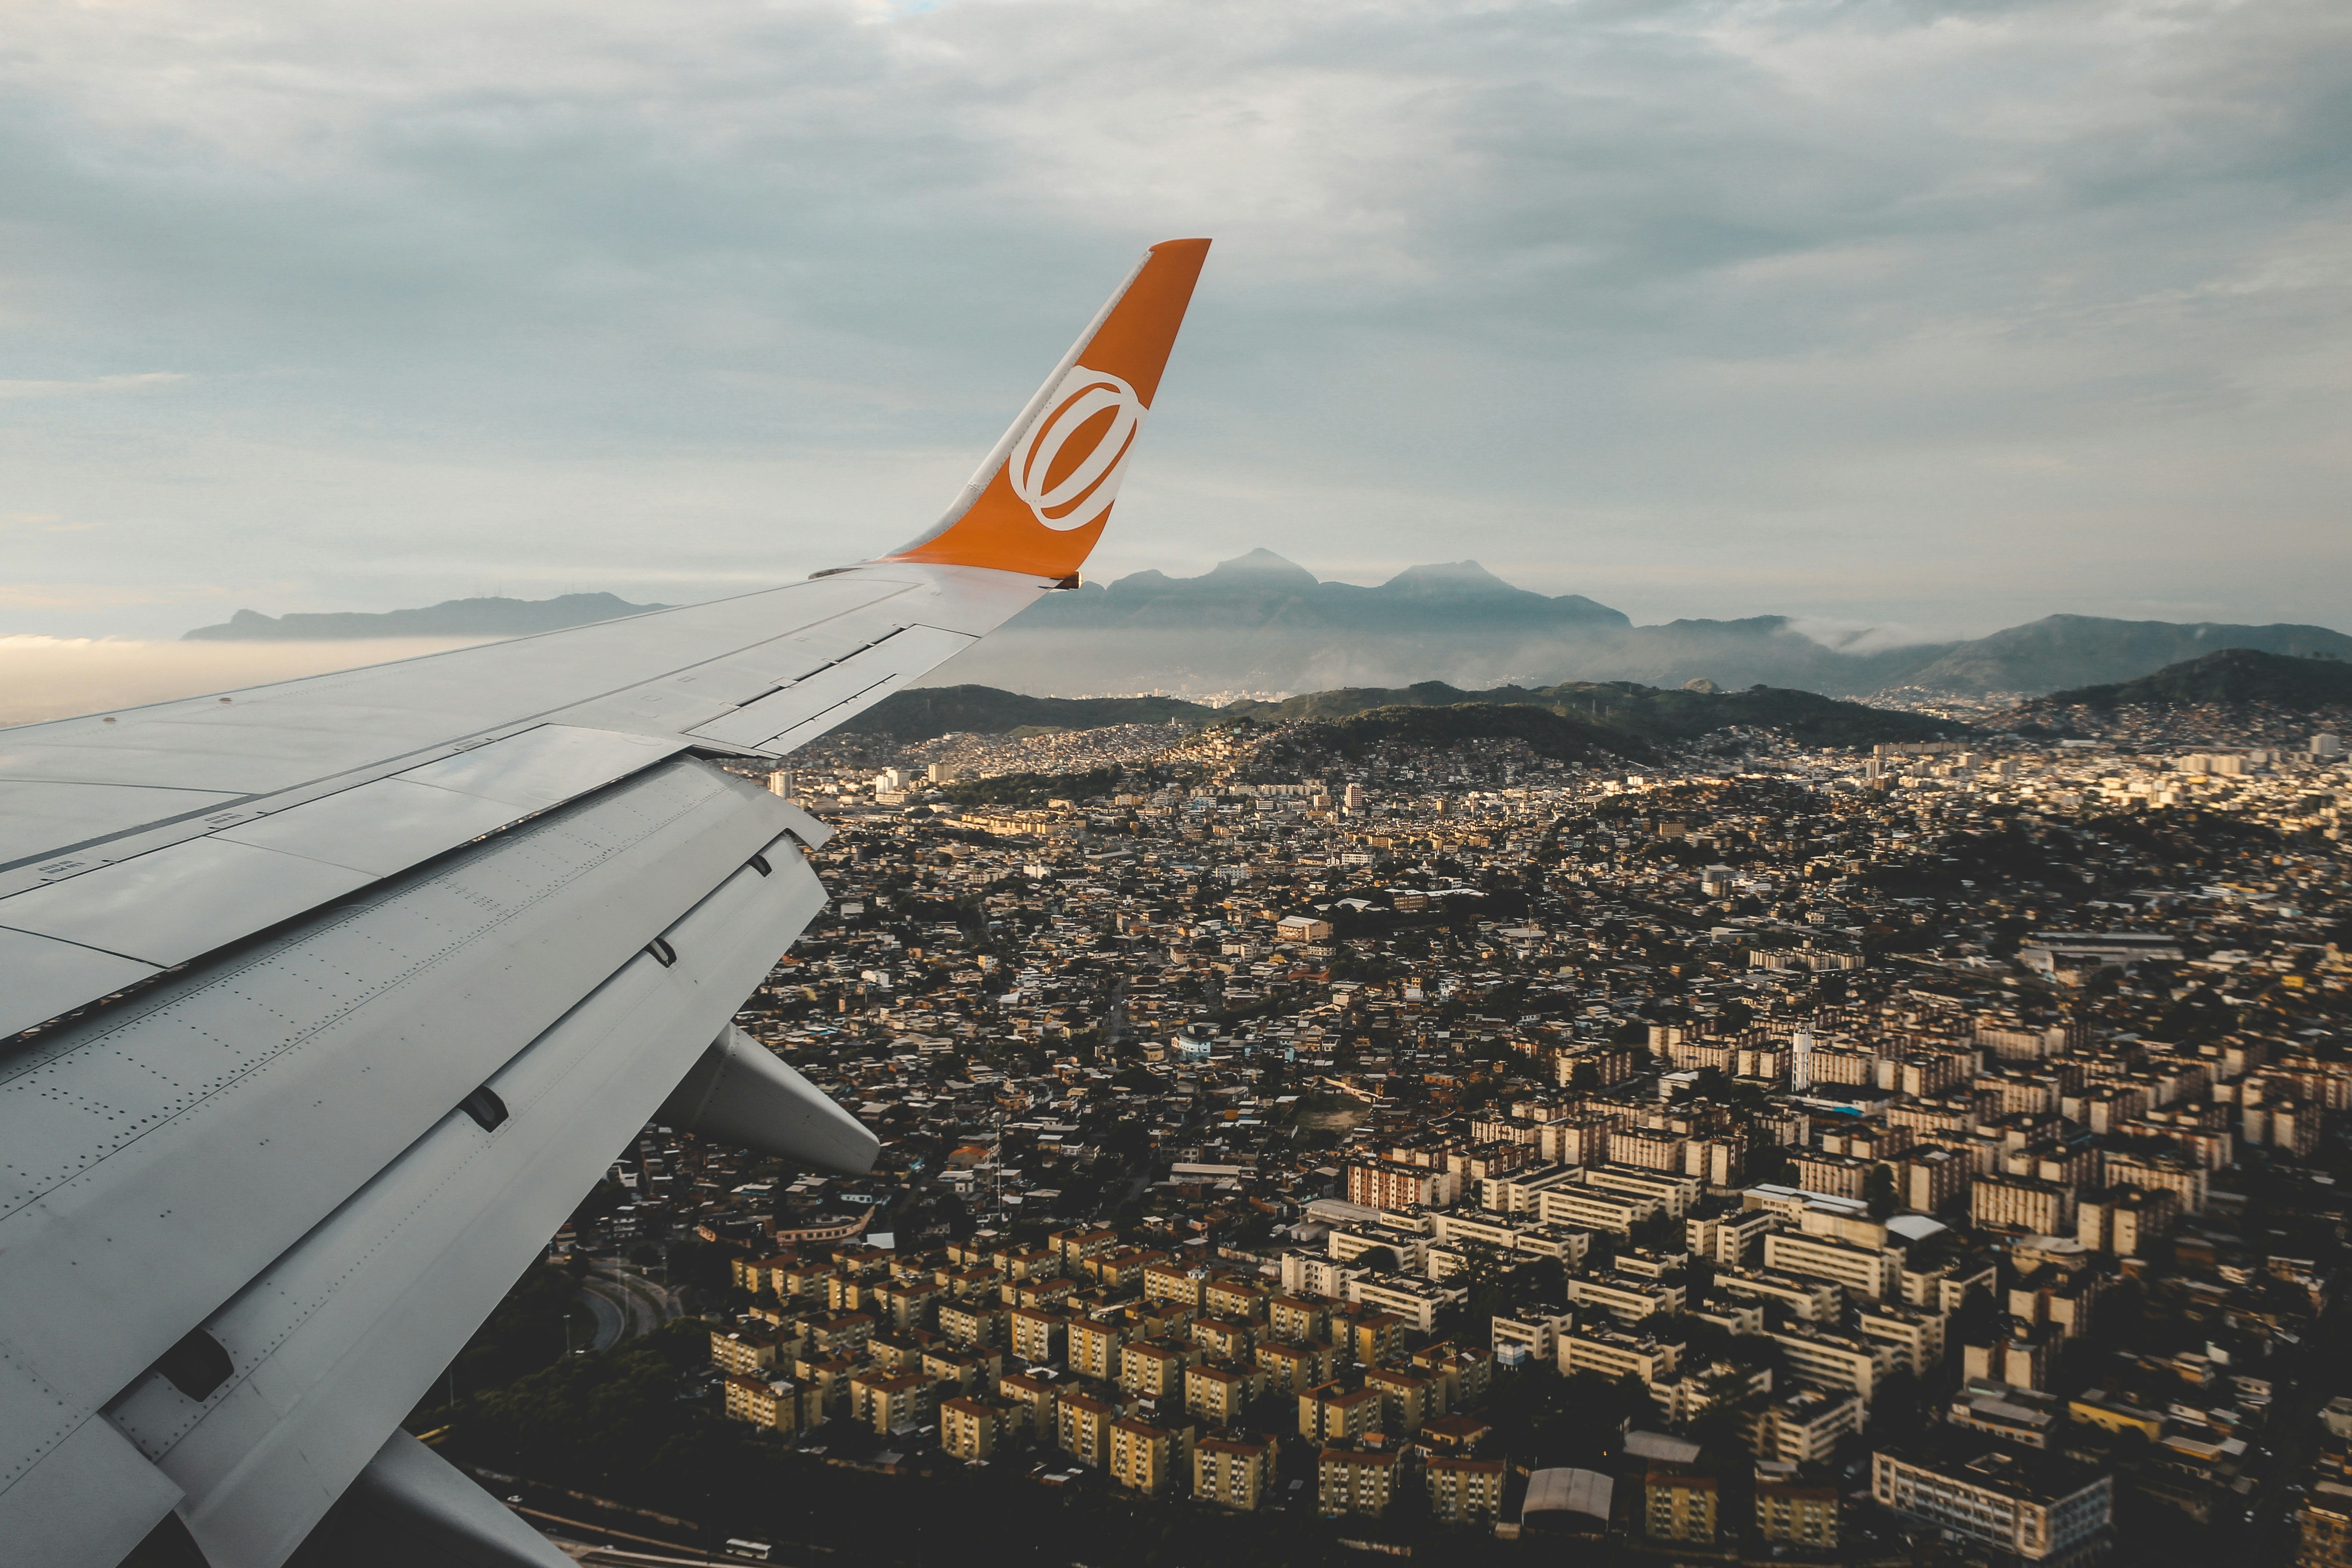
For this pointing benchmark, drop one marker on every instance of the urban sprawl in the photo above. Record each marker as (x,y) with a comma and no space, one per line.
(1864,1153)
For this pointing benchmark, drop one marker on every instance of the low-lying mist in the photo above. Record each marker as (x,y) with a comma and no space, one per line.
(57,677)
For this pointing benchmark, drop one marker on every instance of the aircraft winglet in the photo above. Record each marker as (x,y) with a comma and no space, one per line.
(1041,497)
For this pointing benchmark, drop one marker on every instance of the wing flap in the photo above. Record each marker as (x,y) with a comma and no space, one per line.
(47,977)
(343,1334)
(544,766)
(154,1158)
(381,828)
(85,1502)
(166,908)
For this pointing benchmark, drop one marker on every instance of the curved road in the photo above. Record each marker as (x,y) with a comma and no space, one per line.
(610,1322)
(626,1303)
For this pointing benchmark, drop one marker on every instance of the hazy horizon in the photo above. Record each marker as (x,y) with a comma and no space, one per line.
(1927,318)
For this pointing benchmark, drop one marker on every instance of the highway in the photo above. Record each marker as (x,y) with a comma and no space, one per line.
(624,1303)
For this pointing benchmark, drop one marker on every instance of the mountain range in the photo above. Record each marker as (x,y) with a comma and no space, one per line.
(1260,622)
(1568,721)
(450,618)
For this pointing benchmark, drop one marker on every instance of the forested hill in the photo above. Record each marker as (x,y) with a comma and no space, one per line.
(1650,713)
(927,713)
(2232,676)
(1617,717)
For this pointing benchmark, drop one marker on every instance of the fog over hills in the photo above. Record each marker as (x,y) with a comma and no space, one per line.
(1259,623)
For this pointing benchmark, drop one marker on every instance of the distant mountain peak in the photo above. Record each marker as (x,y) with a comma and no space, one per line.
(1451,578)
(1262,568)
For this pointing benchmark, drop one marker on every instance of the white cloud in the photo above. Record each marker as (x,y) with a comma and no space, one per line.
(1947,315)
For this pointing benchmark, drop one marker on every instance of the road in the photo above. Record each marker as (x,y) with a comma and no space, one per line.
(626,1303)
(612,1322)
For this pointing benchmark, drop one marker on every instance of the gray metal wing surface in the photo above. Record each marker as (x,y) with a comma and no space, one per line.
(321,1003)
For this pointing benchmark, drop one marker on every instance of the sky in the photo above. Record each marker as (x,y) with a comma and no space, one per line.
(1913,319)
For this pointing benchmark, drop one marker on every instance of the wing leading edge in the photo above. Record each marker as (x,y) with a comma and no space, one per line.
(325,1000)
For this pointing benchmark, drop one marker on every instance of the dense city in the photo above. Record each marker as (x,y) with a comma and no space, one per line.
(1926,1151)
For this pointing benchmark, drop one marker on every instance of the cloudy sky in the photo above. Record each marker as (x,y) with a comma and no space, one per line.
(1931,317)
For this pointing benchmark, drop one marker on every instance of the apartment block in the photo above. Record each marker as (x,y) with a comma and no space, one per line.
(1032,1400)
(1292,1367)
(2000,1498)
(2022,1203)
(1803,1425)
(1337,1414)
(888,1401)
(1797,1514)
(1916,1336)
(1233,1473)
(1243,1301)
(973,1429)
(1149,1457)
(1352,1480)
(975,1323)
(1175,1282)
(1465,1490)
(1039,1335)
(1529,1336)
(1082,1427)
(744,1351)
(1834,1360)
(1391,1184)
(1675,1194)
(771,1402)
(1628,1301)
(1298,1318)
(1155,1368)
(2126,1221)
(1095,1346)
(1866,1271)
(1726,1239)
(1812,1301)
(1414,1303)
(1931,1181)
(2186,1181)
(1581,1207)
(1613,1355)
(1678,1505)
(1218,1394)
(1407,1398)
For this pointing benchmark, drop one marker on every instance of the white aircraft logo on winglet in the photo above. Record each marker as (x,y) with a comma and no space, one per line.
(1078,494)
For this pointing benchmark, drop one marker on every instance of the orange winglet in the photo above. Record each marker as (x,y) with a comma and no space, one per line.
(1041,496)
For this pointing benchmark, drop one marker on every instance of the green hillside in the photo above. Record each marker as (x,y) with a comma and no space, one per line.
(1650,713)
(928,712)
(2232,675)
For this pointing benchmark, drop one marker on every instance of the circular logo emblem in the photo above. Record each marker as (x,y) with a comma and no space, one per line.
(1067,467)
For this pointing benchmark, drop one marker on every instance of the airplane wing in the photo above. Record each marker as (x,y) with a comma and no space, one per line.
(323,1004)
